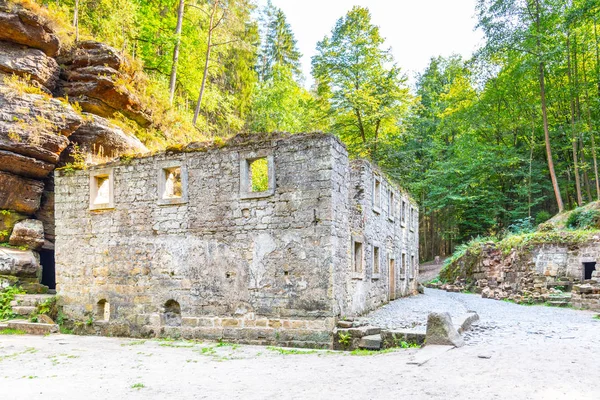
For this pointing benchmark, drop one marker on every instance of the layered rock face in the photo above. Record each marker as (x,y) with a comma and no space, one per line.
(40,128)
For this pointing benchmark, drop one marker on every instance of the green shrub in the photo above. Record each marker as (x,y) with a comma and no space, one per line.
(524,225)
(583,219)
(542,217)
(6,296)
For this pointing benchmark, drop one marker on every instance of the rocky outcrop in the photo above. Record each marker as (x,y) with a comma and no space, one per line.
(20,194)
(28,233)
(19,263)
(35,125)
(46,211)
(19,25)
(8,219)
(98,136)
(95,77)
(28,167)
(29,63)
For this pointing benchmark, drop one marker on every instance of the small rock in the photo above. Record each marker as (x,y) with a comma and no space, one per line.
(485,356)
(44,319)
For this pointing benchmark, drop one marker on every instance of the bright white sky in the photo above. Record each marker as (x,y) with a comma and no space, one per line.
(416,30)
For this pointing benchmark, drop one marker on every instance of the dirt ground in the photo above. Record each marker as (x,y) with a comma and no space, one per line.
(515,352)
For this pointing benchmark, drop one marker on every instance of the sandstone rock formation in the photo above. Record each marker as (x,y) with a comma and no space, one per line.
(28,233)
(95,78)
(19,263)
(8,219)
(20,194)
(22,26)
(99,137)
(27,62)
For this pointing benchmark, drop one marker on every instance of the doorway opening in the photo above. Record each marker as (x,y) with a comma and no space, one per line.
(48,271)
(588,268)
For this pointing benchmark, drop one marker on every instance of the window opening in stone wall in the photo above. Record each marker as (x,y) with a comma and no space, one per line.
(173,186)
(403,266)
(392,279)
(411,220)
(259,174)
(102,310)
(411,273)
(102,189)
(391,205)
(377,194)
(172,313)
(403,212)
(376,259)
(588,269)
(358,257)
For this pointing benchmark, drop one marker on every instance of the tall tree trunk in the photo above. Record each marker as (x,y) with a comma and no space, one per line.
(559,201)
(173,80)
(591,128)
(574,139)
(206,61)
(76,20)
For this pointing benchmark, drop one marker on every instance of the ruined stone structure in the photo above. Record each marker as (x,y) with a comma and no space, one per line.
(560,273)
(196,244)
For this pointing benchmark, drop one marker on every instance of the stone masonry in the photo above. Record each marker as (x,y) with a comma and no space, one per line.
(215,259)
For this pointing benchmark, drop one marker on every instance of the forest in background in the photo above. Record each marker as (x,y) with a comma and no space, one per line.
(501,140)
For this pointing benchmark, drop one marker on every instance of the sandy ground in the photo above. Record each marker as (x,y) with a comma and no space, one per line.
(531,353)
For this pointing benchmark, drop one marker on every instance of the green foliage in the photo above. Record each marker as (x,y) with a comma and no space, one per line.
(138,386)
(283,351)
(523,225)
(542,217)
(6,296)
(365,90)
(9,331)
(50,308)
(259,175)
(344,338)
(583,219)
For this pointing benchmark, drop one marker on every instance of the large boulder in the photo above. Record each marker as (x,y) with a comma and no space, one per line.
(24,166)
(441,331)
(24,61)
(8,219)
(20,194)
(28,233)
(35,125)
(19,25)
(98,136)
(95,75)
(20,263)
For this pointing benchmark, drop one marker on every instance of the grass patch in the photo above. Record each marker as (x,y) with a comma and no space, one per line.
(10,331)
(363,352)
(284,351)
(133,343)
(597,317)
(138,386)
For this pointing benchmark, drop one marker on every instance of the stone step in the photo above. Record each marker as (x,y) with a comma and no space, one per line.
(3,325)
(32,328)
(24,310)
(30,300)
(372,342)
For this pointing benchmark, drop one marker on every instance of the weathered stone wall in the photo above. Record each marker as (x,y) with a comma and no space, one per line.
(383,226)
(270,269)
(540,273)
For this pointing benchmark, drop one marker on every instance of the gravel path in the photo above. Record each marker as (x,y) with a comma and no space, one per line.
(515,352)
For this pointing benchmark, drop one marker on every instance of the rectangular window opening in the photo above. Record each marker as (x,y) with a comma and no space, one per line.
(258,171)
(403,212)
(377,194)
(173,186)
(358,257)
(102,189)
(391,205)
(376,259)
(403,266)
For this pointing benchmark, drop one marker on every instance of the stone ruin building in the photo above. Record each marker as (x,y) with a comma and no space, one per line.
(265,239)
(563,272)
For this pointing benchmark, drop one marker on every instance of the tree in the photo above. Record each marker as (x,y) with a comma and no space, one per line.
(280,104)
(364,87)
(525,26)
(279,45)
(173,79)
